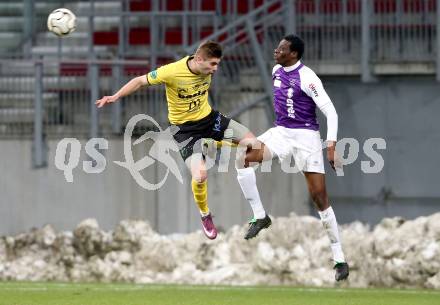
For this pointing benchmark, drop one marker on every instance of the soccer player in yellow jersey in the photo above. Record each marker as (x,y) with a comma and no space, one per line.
(187,82)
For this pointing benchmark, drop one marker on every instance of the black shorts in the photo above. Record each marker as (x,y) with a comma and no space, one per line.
(188,135)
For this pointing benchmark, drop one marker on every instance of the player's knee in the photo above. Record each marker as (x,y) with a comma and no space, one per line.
(254,155)
(199,174)
(240,157)
(200,177)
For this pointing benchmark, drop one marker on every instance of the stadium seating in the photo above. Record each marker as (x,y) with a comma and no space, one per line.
(11,26)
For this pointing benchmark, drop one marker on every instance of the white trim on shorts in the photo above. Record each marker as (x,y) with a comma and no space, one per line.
(304,145)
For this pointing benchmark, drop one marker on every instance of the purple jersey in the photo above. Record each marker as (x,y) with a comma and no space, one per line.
(296,91)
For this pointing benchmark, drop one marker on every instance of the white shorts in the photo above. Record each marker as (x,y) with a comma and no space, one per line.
(304,145)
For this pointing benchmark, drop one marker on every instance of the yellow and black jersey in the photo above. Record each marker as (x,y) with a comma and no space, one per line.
(187,93)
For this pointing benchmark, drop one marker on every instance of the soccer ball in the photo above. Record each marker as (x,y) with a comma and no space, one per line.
(61,22)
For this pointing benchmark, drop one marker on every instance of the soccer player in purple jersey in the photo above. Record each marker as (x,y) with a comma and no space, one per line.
(297,91)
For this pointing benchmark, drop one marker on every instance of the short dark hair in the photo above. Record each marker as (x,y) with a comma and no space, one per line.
(210,49)
(296,44)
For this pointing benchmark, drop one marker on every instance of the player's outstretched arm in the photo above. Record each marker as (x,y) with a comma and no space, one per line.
(127,89)
(316,91)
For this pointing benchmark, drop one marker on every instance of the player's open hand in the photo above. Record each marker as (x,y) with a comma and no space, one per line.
(106,100)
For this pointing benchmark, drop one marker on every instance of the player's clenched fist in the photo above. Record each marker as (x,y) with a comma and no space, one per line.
(106,100)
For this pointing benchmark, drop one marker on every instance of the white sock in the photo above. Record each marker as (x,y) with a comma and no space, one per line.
(248,183)
(328,219)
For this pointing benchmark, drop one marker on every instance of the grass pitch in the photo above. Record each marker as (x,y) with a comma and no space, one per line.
(18,293)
